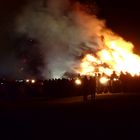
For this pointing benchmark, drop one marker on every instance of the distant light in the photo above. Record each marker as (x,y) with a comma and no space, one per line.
(33,81)
(78,82)
(1,83)
(115,79)
(104,80)
(27,81)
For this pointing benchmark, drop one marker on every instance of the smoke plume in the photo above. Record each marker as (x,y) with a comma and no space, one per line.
(65,32)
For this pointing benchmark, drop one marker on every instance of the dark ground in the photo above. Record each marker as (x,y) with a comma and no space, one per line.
(115,117)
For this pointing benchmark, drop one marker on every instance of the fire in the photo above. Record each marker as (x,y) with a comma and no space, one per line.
(116,54)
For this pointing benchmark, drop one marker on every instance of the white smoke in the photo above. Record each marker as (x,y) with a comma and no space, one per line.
(64,31)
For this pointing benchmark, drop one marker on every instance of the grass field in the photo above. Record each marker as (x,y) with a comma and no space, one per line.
(112,114)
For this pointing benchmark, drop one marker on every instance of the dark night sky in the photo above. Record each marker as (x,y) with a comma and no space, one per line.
(123,17)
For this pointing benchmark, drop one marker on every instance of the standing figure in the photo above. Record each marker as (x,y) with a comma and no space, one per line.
(85,89)
(92,87)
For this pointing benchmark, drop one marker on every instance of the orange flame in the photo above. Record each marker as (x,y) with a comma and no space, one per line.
(116,55)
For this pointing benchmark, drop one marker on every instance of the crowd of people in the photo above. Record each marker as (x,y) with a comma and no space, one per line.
(58,88)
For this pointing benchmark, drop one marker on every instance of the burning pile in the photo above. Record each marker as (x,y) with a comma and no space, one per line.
(116,55)
(66,32)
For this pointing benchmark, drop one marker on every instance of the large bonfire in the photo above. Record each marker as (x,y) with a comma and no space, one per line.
(113,53)
(71,34)
(116,55)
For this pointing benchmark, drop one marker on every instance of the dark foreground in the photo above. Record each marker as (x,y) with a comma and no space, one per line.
(116,116)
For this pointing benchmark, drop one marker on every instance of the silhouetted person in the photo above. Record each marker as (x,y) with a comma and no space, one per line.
(85,89)
(92,87)
(98,84)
